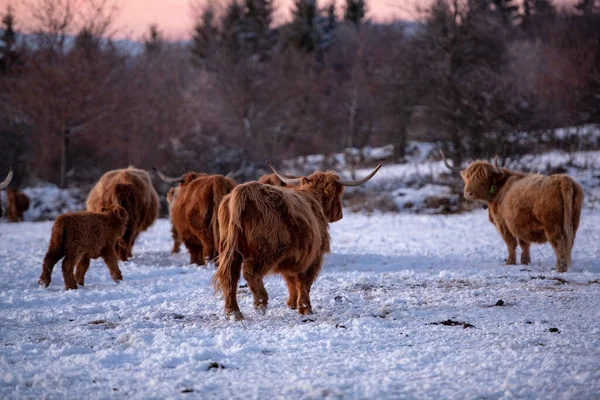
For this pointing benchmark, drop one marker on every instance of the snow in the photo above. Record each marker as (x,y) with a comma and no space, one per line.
(161,333)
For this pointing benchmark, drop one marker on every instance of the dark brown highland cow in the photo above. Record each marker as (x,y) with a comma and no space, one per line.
(132,189)
(527,208)
(81,236)
(16,204)
(194,212)
(278,230)
(4,184)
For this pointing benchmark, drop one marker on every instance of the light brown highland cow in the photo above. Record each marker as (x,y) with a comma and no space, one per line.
(132,189)
(81,236)
(277,230)
(527,208)
(4,184)
(16,204)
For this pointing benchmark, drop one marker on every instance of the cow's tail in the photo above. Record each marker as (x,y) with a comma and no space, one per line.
(566,189)
(219,191)
(229,267)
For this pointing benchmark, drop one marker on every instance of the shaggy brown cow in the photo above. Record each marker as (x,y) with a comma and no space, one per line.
(194,213)
(171,198)
(275,230)
(80,236)
(141,202)
(527,208)
(16,204)
(4,184)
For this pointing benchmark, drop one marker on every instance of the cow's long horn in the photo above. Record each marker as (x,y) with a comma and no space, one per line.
(230,174)
(166,178)
(496,167)
(8,178)
(283,178)
(451,168)
(363,180)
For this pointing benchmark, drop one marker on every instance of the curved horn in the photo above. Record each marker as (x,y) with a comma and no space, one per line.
(166,178)
(8,178)
(496,167)
(451,168)
(363,180)
(230,174)
(283,178)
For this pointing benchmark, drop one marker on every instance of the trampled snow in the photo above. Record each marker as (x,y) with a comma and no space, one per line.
(377,332)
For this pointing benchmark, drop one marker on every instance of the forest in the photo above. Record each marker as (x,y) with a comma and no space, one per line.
(477,77)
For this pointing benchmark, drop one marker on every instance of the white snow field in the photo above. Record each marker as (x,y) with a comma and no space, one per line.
(376,334)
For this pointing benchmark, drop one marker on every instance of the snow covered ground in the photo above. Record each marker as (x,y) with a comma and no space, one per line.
(523,331)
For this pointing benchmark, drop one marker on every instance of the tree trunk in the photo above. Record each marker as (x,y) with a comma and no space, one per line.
(64,158)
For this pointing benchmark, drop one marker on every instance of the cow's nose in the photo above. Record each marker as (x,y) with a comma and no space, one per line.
(469,194)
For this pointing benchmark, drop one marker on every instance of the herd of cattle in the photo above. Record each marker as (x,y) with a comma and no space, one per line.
(280,224)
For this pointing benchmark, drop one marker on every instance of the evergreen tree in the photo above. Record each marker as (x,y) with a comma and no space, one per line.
(8,40)
(304,35)
(355,11)
(205,34)
(231,27)
(86,44)
(256,26)
(329,28)
(154,43)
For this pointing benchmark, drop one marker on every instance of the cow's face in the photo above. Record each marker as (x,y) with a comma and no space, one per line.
(327,185)
(479,178)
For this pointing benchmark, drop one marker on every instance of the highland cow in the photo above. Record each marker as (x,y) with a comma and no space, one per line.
(171,198)
(81,236)
(527,208)
(278,230)
(272,179)
(4,184)
(132,189)
(16,204)
(194,213)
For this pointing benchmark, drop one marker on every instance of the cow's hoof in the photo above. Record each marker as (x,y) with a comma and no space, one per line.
(70,287)
(305,310)
(43,283)
(236,315)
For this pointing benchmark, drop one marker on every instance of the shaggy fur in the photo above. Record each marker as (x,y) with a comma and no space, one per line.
(276,230)
(528,208)
(16,204)
(171,198)
(194,213)
(271,179)
(81,236)
(132,189)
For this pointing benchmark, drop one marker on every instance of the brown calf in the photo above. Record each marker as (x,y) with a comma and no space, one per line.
(81,236)
(16,204)
(275,230)
(527,208)
(132,189)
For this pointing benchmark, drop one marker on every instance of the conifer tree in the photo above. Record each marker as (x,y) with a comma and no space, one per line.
(355,11)
(153,44)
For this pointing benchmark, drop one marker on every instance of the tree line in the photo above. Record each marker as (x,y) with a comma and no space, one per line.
(481,77)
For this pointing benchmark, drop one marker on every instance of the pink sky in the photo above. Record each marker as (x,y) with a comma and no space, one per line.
(174,17)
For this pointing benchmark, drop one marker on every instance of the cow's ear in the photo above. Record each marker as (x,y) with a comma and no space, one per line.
(462,174)
(305,180)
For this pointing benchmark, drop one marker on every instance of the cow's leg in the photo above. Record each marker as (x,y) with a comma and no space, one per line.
(229,278)
(131,242)
(293,284)
(254,277)
(196,253)
(525,255)
(208,251)
(176,240)
(306,280)
(52,257)
(110,259)
(68,266)
(511,244)
(82,267)
(561,248)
